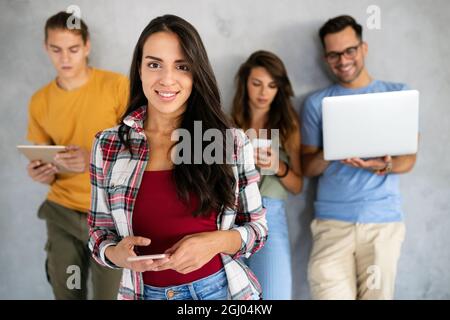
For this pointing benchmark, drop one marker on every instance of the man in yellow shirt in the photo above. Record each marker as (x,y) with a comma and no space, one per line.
(69,111)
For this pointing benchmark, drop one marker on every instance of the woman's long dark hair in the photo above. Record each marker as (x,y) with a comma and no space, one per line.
(282,115)
(214,183)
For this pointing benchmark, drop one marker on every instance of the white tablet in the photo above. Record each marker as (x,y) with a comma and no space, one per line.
(44,153)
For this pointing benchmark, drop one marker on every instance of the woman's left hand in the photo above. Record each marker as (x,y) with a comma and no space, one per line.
(192,252)
(74,158)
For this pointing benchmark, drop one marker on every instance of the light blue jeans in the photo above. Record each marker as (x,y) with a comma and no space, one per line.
(272,264)
(213,287)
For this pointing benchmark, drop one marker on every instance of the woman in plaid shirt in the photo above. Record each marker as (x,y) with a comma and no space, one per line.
(202,215)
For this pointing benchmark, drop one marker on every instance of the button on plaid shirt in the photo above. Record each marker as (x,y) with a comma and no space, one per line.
(116,175)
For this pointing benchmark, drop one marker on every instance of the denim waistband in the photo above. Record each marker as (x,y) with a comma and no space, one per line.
(208,287)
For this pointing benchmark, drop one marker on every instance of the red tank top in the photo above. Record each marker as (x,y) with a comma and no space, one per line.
(161,217)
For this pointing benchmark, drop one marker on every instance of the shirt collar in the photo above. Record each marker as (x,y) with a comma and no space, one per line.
(135,119)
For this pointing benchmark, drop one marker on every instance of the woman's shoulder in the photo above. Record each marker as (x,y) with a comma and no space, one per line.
(108,137)
(108,133)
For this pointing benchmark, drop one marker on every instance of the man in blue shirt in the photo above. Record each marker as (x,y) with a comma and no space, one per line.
(358,229)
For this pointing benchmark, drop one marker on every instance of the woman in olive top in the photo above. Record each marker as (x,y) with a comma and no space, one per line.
(263,101)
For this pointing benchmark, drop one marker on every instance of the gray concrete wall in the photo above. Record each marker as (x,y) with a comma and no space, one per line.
(412,46)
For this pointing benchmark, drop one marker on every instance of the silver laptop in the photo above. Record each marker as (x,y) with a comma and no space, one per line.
(370,125)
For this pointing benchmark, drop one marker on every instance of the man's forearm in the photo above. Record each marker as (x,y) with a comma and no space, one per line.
(403,164)
(314,164)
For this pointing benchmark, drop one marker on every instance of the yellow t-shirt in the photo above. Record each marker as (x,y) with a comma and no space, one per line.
(61,117)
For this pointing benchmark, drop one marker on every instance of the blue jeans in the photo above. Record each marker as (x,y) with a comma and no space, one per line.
(213,287)
(272,264)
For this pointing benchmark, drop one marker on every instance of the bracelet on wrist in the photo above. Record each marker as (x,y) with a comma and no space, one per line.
(387,169)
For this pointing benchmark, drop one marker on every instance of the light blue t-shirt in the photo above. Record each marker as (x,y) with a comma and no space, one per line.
(346,193)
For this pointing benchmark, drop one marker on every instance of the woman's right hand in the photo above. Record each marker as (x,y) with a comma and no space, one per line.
(120,253)
(266,158)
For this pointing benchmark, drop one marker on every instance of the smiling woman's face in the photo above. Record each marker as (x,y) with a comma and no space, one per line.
(165,74)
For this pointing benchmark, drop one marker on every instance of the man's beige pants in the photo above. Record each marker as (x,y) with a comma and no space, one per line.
(354,260)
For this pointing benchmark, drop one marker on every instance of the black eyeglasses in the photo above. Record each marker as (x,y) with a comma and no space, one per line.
(349,53)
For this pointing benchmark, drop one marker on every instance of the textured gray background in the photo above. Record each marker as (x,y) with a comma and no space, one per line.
(412,46)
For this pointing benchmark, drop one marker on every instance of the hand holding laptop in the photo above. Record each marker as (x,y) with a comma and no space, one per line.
(378,165)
